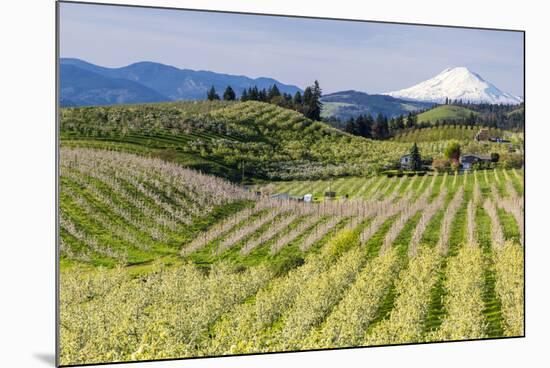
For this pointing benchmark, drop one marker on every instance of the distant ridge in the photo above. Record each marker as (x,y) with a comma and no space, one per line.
(81,87)
(347,104)
(167,82)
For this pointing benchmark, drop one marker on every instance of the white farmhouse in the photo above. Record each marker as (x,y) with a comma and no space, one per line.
(405,161)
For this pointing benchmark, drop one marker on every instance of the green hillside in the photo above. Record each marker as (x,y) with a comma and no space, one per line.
(271,142)
(519,111)
(443,133)
(123,208)
(445,113)
(258,140)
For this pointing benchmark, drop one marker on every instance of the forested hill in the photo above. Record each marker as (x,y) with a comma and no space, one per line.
(508,117)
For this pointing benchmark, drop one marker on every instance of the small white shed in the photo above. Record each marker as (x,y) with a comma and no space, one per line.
(308,197)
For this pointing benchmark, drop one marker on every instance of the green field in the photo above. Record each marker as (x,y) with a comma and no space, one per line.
(445,113)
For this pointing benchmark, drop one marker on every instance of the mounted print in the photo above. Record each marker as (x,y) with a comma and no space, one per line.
(236,183)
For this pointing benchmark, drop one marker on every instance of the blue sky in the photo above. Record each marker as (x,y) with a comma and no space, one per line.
(370,57)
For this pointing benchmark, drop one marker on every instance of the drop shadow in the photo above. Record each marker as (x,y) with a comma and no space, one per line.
(46,358)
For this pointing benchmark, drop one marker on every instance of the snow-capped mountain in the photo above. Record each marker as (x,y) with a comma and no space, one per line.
(457,83)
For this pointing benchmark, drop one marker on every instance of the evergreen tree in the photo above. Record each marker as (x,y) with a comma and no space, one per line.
(416,159)
(273,92)
(244,95)
(229,94)
(297,99)
(308,96)
(471,119)
(262,95)
(351,127)
(400,122)
(411,120)
(381,129)
(312,102)
(212,95)
(316,104)
(369,122)
(253,93)
(393,125)
(306,101)
(364,126)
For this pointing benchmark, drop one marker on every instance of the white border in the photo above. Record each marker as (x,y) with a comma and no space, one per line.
(27,207)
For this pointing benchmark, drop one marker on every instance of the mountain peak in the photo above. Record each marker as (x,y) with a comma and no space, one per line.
(458,83)
(457,69)
(460,72)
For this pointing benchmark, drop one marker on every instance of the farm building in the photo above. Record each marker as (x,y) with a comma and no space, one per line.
(468,160)
(405,162)
(283,196)
(287,197)
(498,140)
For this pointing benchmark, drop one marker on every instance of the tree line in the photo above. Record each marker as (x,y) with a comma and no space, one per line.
(502,116)
(309,103)
(380,127)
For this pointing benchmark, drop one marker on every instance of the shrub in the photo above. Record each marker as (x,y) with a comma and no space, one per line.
(452,151)
(511,161)
(441,165)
